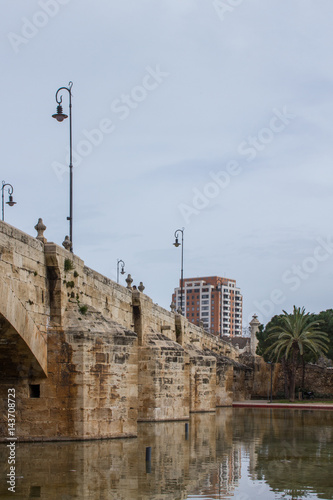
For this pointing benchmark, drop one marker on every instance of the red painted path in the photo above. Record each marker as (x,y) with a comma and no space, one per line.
(266,404)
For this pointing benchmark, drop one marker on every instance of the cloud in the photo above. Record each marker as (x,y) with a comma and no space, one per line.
(225,79)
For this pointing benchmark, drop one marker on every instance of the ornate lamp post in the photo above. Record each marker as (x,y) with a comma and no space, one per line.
(177,244)
(10,202)
(119,261)
(60,116)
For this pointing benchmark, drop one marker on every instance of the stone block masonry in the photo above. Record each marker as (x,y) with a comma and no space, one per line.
(202,381)
(89,358)
(163,380)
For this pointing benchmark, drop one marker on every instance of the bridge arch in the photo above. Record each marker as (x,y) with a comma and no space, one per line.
(21,341)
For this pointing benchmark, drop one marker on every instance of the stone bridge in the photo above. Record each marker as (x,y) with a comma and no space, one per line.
(89,358)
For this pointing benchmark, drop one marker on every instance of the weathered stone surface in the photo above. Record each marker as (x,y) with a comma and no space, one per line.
(163,380)
(202,380)
(317,379)
(87,394)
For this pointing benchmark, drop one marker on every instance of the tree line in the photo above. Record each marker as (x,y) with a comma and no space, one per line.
(294,340)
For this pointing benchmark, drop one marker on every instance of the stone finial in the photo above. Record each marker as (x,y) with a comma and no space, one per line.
(173,307)
(129,282)
(179,310)
(141,287)
(255,320)
(40,228)
(67,244)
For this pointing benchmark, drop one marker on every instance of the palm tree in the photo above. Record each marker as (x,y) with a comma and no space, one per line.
(297,334)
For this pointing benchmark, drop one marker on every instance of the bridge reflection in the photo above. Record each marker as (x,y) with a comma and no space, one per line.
(240,453)
(116,469)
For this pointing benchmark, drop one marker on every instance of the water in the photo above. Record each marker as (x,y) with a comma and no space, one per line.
(239,454)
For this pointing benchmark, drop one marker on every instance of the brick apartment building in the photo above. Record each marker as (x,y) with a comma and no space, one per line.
(215,301)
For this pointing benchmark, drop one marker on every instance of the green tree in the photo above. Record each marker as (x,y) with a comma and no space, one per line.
(294,336)
(326,319)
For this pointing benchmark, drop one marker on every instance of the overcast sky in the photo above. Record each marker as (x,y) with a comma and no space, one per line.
(213,116)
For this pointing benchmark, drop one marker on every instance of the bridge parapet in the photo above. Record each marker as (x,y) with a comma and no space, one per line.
(71,281)
(45,278)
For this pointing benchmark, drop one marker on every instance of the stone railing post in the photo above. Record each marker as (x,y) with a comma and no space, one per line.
(254,325)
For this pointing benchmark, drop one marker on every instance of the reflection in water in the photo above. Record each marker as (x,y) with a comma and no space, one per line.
(239,453)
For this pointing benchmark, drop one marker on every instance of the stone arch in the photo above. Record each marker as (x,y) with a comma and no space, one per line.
(17,323)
